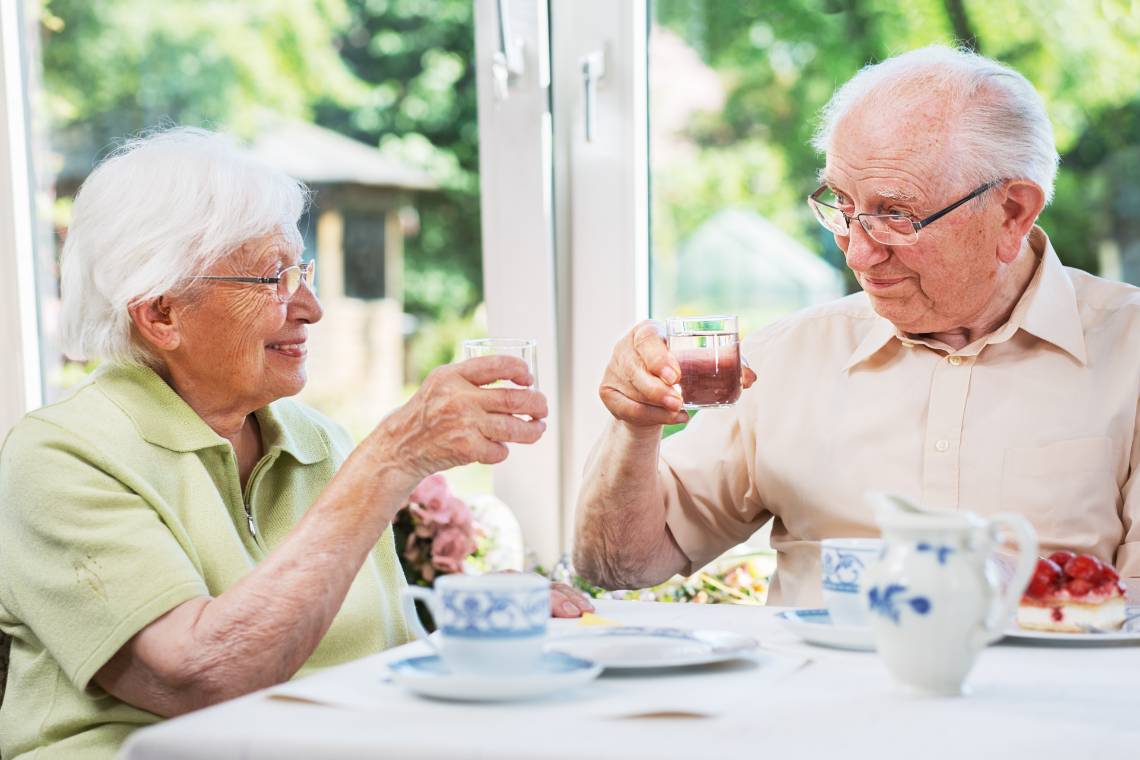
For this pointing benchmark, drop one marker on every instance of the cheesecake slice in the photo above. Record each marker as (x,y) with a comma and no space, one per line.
(1072,593)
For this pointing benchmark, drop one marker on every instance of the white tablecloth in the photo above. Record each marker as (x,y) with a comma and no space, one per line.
(1024,701)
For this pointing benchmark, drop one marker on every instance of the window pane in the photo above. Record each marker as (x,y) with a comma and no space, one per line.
(364,255)
(371,104)
(735,89)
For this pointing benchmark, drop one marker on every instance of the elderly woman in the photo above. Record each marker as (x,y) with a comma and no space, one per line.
(177,532)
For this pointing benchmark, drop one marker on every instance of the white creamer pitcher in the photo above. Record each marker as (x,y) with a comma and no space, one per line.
(933,597)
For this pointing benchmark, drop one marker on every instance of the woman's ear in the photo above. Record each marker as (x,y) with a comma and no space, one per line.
(1022,202)
(156,323)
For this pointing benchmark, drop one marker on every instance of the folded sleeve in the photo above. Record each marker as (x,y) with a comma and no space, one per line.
(86,561)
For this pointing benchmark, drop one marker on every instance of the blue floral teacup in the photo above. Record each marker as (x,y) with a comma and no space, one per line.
(843,561)
(488,624)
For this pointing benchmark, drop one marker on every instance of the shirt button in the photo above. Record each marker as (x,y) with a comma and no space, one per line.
(942,445)
(955,360)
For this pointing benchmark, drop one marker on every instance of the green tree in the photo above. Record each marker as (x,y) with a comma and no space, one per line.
(118,66)
(782,59)
(416,58)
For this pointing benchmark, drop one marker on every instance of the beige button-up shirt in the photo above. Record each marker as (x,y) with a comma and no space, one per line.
(1040,418)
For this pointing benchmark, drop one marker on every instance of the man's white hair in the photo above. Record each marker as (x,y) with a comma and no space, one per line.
(161,208)
(1000,129)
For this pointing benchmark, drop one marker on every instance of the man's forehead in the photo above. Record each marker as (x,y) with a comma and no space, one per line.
(877,187)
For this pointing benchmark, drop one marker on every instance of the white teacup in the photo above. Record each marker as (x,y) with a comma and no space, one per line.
(488,624)
(843,562)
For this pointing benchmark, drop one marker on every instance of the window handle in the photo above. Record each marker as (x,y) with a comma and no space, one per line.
(593,68)
(507,63)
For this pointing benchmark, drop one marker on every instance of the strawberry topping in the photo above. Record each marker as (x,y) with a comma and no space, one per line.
(1062,556)
(1084,567)
(1078,587)
(1066,574)
(1046,579)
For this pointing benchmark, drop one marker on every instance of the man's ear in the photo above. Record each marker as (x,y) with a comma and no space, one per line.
(1021,202)
(156,323)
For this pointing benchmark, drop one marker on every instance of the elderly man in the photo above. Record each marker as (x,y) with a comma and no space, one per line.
(973,372)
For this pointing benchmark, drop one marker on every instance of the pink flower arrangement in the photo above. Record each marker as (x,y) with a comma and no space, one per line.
(436,532)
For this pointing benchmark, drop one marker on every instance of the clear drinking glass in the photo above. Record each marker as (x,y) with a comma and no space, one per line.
(520,347)
(708,350)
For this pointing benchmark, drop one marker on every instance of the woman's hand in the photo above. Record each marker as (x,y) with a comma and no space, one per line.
(565,602)
(451,420)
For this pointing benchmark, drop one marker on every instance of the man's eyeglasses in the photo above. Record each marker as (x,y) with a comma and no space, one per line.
(288,280)
(888,229)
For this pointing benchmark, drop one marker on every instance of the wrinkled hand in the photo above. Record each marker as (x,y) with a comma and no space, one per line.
(639,385)
(451,420)
(565,602)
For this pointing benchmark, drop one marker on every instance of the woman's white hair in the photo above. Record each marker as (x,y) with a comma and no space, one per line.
(161,208)
(1000,128)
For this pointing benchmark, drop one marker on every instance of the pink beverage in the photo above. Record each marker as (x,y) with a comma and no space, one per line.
(708,350)
(710,377)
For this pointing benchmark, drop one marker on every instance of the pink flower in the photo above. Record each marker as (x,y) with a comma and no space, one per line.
(450,547)
(440,530)
(459,514)
(431,492)
(433,504)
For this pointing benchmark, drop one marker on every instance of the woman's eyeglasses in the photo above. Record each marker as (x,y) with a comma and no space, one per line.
(288,280)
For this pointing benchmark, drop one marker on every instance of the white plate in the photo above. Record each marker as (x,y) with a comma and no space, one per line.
(647,647)
(815,627)
(428,677)
(1128,634)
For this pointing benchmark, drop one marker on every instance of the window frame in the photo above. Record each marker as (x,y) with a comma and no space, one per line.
(567,217)
(21,377)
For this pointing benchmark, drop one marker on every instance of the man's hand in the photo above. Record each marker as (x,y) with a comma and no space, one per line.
(639,386)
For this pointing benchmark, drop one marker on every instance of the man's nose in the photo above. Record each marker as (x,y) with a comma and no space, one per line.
(863,251)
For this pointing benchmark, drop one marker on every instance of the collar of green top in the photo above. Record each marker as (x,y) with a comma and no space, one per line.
(164,419)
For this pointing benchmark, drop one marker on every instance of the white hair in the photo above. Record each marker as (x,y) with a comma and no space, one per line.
(999,125)
(161,208)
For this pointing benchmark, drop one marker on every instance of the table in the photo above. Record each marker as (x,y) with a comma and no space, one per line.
(1025,701)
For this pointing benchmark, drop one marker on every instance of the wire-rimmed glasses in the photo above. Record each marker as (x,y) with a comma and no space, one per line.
(288,280)
(888,229)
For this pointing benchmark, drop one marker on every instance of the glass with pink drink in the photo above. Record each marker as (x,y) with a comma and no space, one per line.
(708,350)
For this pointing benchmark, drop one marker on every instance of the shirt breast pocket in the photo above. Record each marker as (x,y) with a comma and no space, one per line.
(1067,489)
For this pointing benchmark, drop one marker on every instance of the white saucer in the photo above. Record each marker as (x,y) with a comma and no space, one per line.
(643,647)
(815,627)
(429,677)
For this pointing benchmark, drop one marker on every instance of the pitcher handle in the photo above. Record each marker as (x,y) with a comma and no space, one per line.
(408,599)
(1003,607)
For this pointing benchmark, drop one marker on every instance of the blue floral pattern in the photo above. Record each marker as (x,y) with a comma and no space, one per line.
(841,571)
(486,614)
(889,602)
(941,552)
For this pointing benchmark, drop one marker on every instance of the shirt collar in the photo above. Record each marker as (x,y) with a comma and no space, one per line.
(1051,312)
(164,419)
(1047,310)
(876,338)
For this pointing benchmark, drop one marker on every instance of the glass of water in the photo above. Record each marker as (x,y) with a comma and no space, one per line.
(708,350)
(520,347)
